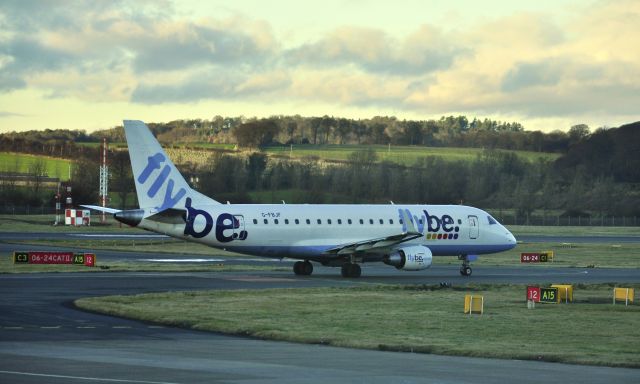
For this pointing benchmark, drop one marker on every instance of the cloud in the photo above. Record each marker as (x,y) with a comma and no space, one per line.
(372,50)
(11,114)
(148,53)
(525,75)
(172,46)
(215,85)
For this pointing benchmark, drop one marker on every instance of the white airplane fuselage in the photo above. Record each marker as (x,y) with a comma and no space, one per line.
(307,231)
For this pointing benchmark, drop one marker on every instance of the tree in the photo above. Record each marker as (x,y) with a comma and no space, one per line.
(37,172)
(122,177)
(577,133)
(254,134)
(85,180)
(343,129)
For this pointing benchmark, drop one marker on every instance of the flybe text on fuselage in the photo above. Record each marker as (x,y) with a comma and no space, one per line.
(229,228)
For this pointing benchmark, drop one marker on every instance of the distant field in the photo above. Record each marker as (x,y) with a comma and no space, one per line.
(19,162)
(197,153)
(406,155)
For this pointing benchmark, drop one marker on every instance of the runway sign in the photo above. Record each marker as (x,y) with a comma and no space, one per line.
(54,257)
(565,292)
(533,294)
(473,304)
(548,295)
(529,257)
(536,257)
(623,294)
(542,295)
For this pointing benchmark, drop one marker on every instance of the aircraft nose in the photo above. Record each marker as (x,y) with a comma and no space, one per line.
(510,238)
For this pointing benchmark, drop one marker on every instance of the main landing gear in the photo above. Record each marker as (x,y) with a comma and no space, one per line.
(465,269)
(303,268)
(351,270)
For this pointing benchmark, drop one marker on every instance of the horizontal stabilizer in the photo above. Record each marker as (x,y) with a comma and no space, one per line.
(101,209)
(170,216)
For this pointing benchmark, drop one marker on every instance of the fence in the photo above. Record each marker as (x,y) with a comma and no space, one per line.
(28,210)
(578,221)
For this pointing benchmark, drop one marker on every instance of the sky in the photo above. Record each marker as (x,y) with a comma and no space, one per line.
(546,64)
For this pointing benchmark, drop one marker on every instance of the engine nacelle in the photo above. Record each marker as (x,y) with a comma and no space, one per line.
(413,258)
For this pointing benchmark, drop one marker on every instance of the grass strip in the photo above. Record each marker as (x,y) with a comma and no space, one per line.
(421,319)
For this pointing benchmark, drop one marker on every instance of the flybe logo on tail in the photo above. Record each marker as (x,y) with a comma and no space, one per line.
(155,162)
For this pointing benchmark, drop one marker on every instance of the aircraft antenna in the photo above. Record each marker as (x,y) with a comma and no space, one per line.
(104,178)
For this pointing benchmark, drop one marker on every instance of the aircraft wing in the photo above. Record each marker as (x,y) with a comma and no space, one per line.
(379,243)
(372,244)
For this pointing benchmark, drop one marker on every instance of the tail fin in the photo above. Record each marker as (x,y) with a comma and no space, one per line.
(159,185)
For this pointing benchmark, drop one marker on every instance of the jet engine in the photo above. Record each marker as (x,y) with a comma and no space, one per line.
(412,258)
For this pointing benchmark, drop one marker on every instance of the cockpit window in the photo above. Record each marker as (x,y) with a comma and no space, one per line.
(491,220)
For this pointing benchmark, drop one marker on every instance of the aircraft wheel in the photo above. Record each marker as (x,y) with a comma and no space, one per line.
(467,271)
(351,270)
(356,271)
(298,267)
(302,268)
(307,268)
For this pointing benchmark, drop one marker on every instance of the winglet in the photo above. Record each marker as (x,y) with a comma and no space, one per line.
(408,222)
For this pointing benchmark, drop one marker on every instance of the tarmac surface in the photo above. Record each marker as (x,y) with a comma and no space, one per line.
(44,338)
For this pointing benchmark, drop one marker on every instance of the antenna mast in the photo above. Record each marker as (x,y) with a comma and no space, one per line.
(104,178)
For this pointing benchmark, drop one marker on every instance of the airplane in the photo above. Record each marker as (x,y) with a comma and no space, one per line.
(406,237)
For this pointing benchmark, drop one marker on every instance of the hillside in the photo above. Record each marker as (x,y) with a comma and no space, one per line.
(24,163)
(606,153)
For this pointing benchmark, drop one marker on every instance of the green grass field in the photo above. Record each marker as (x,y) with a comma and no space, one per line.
(406,155)
(422,319)
(19,162)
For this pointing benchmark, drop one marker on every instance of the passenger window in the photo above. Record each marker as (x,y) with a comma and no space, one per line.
(390,221)
(329,221)
(400,221)
(286,221)
(297,221)
(371,221)
(266,221)
(339,221)
(349,221)
(275,221)
(308,221)
(319,221)
(255,221)
(381,221)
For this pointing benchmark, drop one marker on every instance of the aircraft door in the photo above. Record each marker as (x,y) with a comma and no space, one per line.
(474,229)
(238,227)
